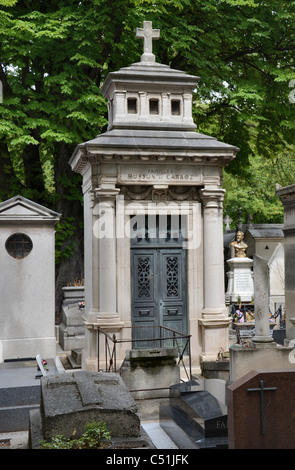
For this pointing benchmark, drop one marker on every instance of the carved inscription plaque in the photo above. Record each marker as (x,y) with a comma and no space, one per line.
(243,281)
(147,174)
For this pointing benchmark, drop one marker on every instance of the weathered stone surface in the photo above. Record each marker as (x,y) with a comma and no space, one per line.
(148,373)
(262,329)
(70,401)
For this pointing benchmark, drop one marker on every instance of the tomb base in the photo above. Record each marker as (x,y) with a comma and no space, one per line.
(269,356)
(148,373)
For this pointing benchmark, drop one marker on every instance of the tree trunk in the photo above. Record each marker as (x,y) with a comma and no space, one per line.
(33,172)
(70,267)
(8,180)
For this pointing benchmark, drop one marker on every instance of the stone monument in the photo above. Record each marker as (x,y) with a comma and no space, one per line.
(240,276)
(262,350)
(262,321)
(151,165)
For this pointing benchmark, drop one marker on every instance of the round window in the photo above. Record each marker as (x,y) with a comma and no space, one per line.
(19,245)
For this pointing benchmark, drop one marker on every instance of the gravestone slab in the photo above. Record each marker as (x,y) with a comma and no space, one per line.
(261,411)
(70,401)
(198,417)
(19,392)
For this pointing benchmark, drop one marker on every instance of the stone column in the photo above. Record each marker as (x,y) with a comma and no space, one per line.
(143,106)
(187,108)
(261,301)
(89,353)
(215,320)
(119,104)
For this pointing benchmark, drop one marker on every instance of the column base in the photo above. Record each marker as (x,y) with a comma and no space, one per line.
(262,342)
(104,320)
(212,313)
(215,336)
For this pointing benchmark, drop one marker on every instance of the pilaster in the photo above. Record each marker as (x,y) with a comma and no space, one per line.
(103,293)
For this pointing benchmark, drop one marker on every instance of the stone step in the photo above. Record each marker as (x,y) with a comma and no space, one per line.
(75,359)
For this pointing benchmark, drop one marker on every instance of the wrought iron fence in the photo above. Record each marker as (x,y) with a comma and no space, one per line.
(177,339)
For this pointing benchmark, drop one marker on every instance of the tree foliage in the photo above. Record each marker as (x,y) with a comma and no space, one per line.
(55,55)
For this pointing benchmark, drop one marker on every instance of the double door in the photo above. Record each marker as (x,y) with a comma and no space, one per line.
(159,285)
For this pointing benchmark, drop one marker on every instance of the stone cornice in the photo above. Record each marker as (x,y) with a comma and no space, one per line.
(286,194)
(80,161)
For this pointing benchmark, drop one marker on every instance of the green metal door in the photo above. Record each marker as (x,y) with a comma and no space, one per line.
(158,280)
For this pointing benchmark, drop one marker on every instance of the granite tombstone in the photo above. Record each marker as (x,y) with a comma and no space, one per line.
(261,411)
(197,418)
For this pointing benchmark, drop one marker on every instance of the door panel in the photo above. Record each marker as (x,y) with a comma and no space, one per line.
(143,274)
(173,291)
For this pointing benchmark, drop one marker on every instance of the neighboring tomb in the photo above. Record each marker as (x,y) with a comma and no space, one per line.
(240,286)
(27,289)
(196,417)
(70,401)
(72,328)
(261,411)
(266,241)
(262,350)
(20,392)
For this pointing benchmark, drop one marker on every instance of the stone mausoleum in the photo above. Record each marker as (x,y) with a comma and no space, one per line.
(27,288)
(153,212)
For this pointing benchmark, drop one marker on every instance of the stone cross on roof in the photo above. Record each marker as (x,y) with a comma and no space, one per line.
(147,33)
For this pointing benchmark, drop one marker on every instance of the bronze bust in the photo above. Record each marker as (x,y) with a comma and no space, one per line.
(239,245)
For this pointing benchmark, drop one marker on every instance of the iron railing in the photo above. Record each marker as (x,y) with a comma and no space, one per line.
(177,339)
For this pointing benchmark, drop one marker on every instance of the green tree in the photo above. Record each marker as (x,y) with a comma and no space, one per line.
(55,55)
(53,58)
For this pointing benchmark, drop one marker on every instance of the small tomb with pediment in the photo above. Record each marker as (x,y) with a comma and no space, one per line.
(27,288)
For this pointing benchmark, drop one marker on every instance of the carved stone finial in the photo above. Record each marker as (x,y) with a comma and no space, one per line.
(147,33)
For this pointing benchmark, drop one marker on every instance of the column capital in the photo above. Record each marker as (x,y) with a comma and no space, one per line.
(106,193)
(212,197)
